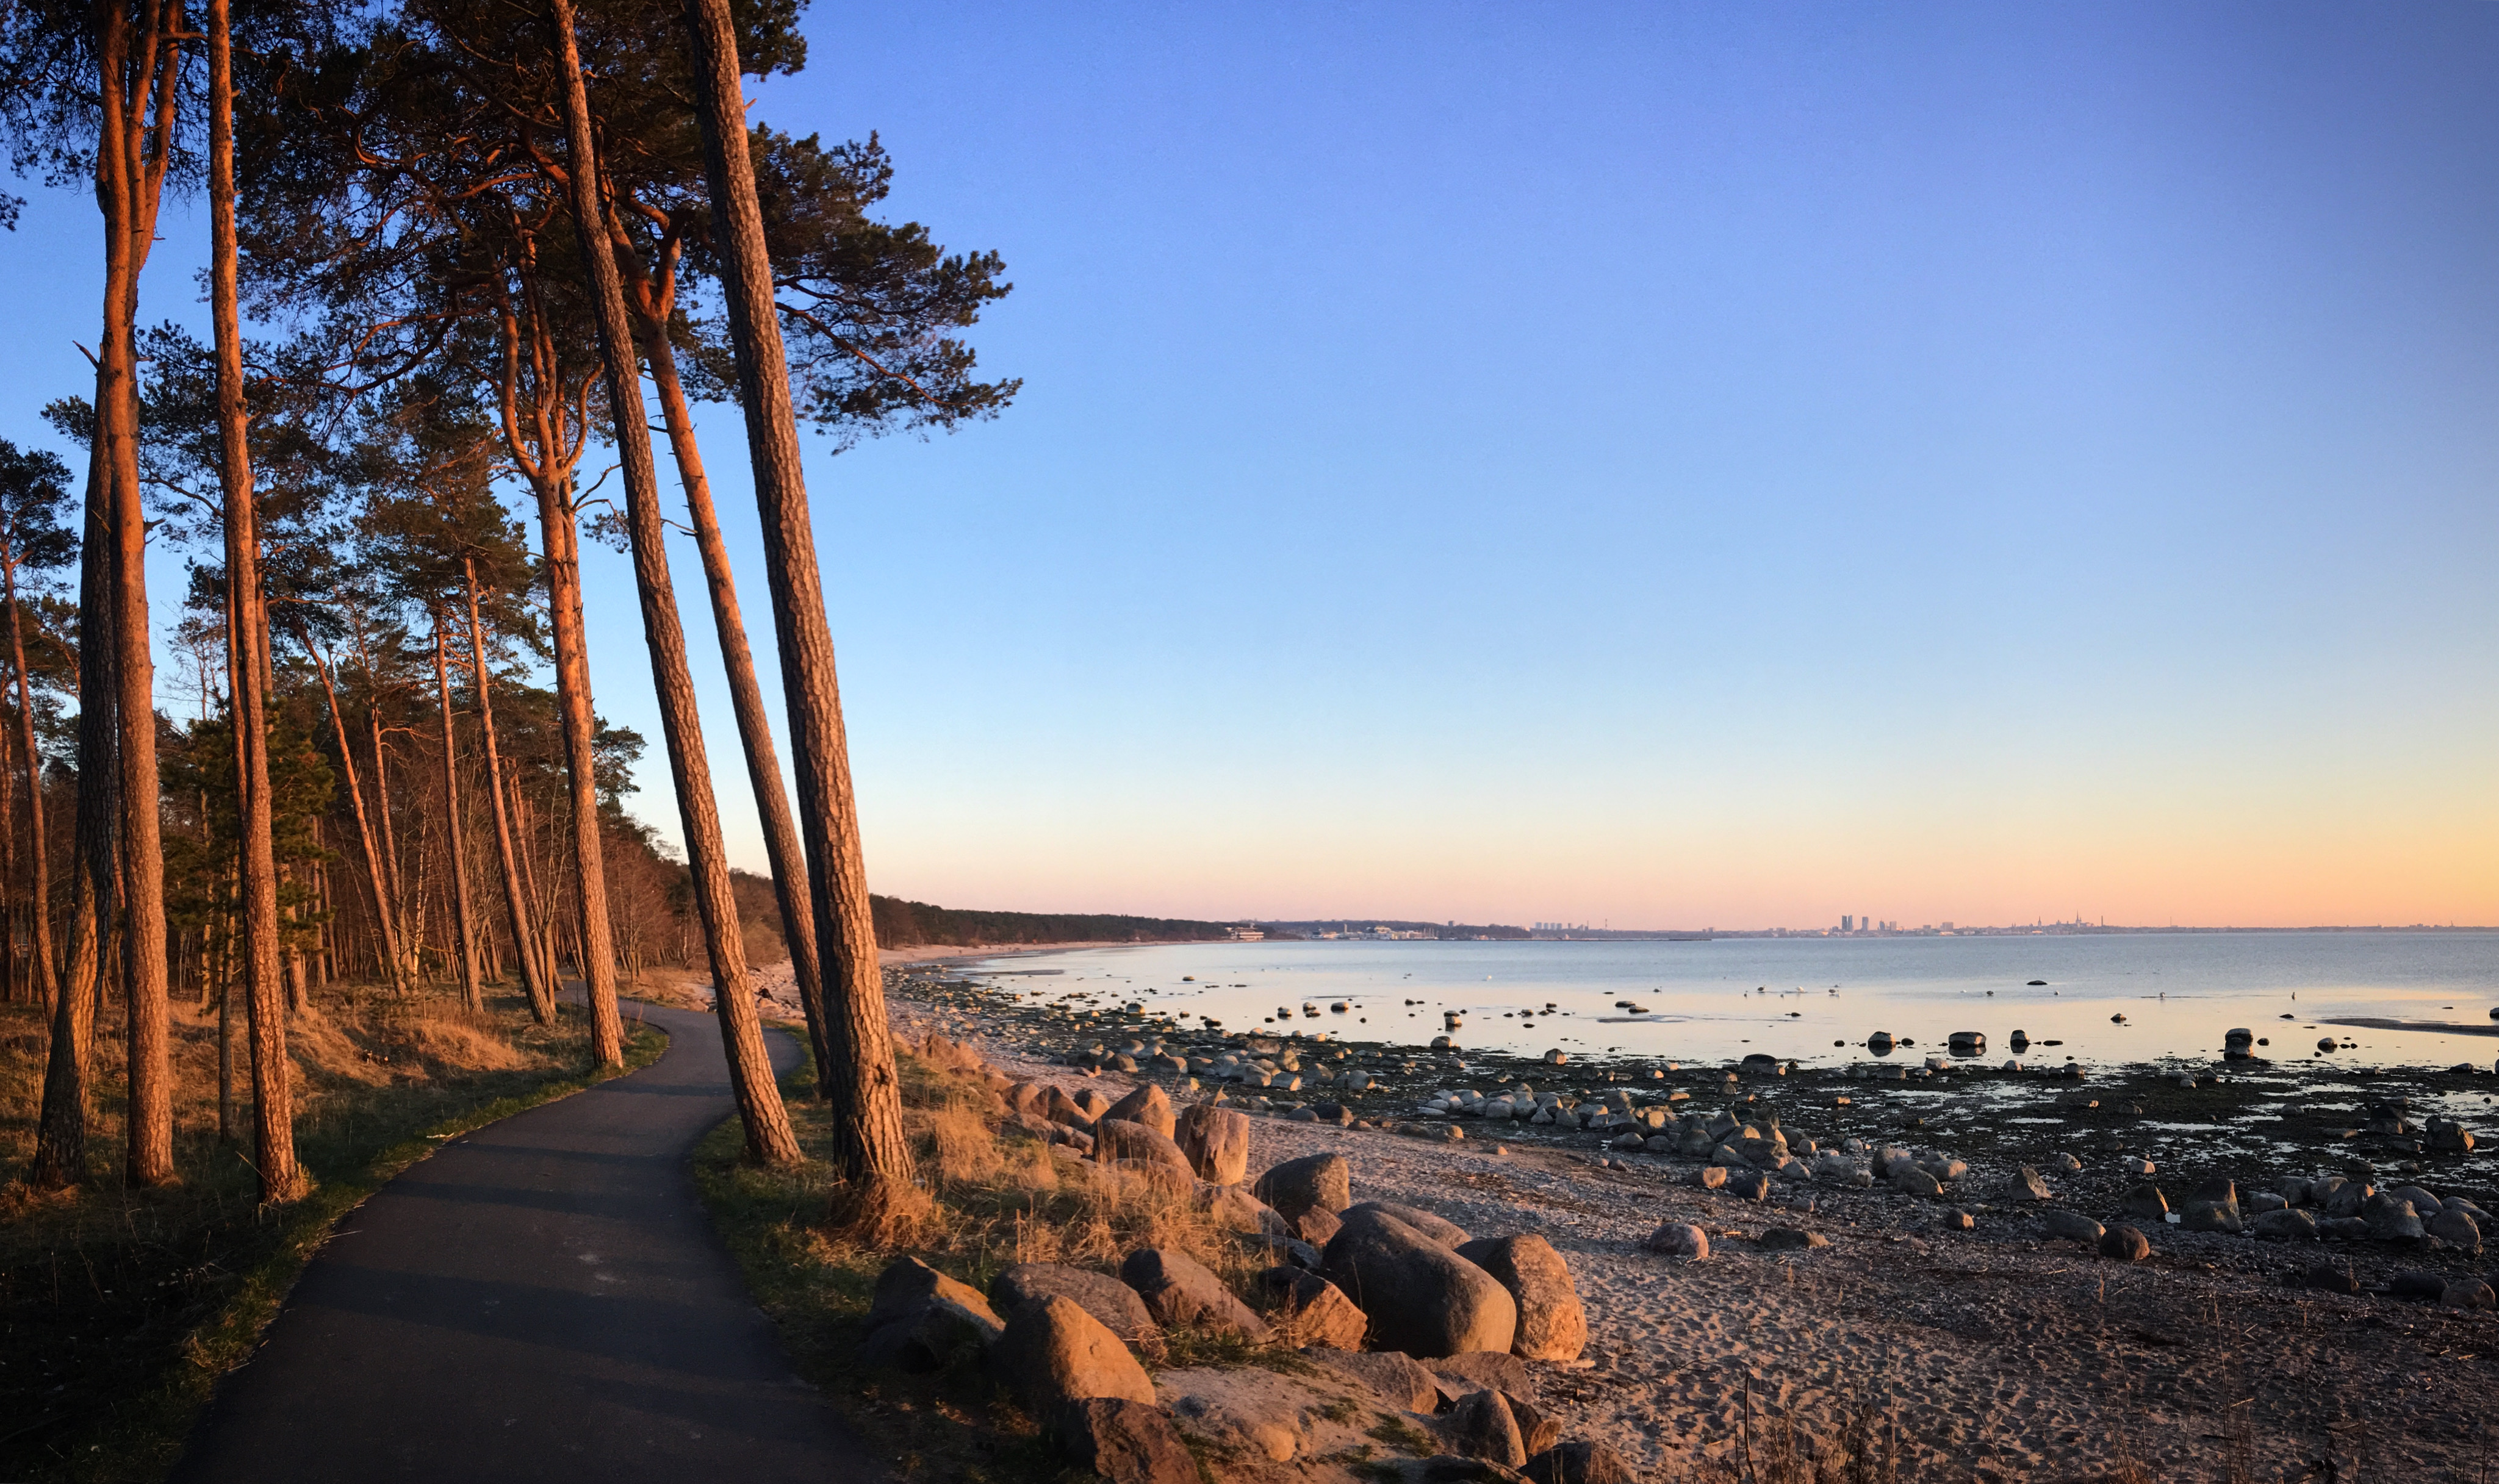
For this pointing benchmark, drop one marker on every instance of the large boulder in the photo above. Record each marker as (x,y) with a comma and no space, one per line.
(920,1319)
(1318,1226)
(1178,1289)
(1217,1141)
(1117,1139)
(1058,1108)
(2071,1225)
(2455,1227)
(1235,1210)
(2125,1244)
(2213,1207)
(1307,1309)
(1321,1181)
(1447,1233)
(1054,1352)
(1552,1326)
(1148,1104)
(2287,1224)
(2146,1201)
(2390,1219)
(1480,1425)
(1122,1441)
(1421,1296)
(1909,1180)
(1098,1294)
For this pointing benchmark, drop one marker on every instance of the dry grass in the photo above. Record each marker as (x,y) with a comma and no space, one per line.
(124,1305)
(988,1201)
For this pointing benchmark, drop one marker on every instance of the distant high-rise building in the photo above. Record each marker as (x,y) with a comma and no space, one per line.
(1847,924)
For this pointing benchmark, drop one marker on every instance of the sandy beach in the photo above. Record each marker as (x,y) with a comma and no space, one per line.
(1998,1352)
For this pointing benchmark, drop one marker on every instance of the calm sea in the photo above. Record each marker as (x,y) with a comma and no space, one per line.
(1795,997)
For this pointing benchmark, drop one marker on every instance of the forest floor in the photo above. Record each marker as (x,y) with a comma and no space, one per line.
(119,1307)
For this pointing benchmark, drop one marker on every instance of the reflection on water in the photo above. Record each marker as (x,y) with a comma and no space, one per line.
(1794,998)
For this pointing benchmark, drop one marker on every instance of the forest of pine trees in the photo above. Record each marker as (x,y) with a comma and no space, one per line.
(457,247)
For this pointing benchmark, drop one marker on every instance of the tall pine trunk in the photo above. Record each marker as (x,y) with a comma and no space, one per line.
(781,847)
(266,959)
(472,995)
(130,176)
(45,964)
(60,1129)
(516,902)
(769,1135)
(870,1148)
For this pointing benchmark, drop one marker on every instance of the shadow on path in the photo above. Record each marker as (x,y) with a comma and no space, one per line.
(542,1301)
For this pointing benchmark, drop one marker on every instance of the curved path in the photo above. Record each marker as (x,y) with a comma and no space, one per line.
(542,1301)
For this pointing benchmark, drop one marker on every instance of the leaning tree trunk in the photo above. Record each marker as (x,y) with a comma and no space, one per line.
(472,996)
(265,996)
(769,1135)
(870,1148)
(780,847)
(383,909)
(45,964)
(516,902)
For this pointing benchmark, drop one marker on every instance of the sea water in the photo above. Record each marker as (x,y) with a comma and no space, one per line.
(1817,1000)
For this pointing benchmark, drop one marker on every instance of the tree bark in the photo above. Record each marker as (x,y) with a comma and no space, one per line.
(44,963)
(472,996)
(768,1134)
(781,847)
(266,959)
(516,902)
(131,167)
(870,1148)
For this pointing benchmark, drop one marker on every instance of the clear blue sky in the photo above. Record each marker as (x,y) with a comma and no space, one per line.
(1667,464)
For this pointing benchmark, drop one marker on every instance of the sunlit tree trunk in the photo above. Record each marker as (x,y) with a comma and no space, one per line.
(769,1135)
(781,847)
(132,153)
(870,1148)
(516,902)
(264,955)
(472,995)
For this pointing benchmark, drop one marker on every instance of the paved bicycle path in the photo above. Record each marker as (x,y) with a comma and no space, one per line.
(542,1301)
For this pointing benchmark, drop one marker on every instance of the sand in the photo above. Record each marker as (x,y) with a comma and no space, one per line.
(1991,1354)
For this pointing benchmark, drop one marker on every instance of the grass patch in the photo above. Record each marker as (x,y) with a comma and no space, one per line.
(991,1200)
(119,1307)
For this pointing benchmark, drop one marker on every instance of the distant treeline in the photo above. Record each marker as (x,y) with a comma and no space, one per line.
(907,925)
(903,925)
(1365,924)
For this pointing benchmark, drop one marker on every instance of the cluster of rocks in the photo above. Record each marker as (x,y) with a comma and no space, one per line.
(2302,1207)
(1431,1320)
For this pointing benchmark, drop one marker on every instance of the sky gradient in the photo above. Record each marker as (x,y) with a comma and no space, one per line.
(1661,465)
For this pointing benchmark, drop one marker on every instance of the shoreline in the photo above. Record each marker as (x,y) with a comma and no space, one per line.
(2002,1352)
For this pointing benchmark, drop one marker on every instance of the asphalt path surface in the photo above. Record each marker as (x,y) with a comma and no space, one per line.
(542,1301)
